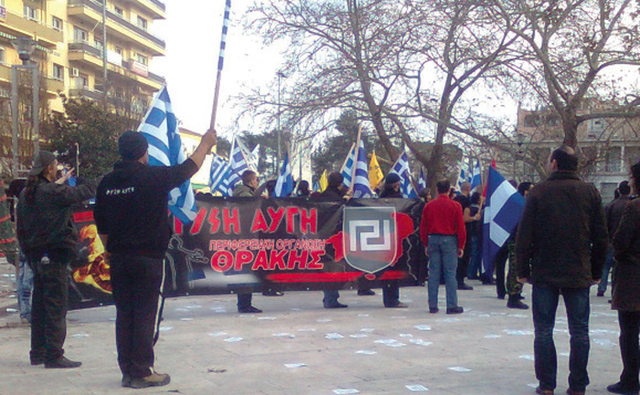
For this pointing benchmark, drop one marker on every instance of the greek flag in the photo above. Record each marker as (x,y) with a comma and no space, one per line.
(401,168)
(238,163)
(284,184)
(422,181)
(223,37)
(462,178)
(347,169)
(160,128)
(476,176)
(502,212)
(361,187)
(219,176)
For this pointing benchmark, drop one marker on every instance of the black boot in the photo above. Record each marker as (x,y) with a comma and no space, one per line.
(514,302)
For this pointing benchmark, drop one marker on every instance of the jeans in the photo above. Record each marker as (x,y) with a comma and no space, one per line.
(630,349)
(24,288)
(545,304)
(443,254)
(475,258)
(608,264)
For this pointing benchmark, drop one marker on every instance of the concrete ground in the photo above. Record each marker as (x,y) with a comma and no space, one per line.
(297,347)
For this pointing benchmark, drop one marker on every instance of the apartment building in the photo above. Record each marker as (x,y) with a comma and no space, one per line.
(71,46)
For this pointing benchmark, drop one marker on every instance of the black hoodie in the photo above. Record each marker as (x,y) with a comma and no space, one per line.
(132,206)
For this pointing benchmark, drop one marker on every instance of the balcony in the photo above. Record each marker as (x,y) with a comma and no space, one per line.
(44,34)
(84,91)
(91,11)
(156,9)
(129,69)
(53,86)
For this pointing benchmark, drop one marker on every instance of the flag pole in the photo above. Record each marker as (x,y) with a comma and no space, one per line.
(347,158)
(223,44)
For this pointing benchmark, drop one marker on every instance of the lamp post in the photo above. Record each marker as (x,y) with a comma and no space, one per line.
(280,75)
(25,47)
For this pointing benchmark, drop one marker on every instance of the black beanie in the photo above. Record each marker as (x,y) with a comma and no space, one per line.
(132,145)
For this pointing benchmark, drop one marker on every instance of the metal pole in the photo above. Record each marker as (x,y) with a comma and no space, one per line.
(104,54)
(77,160)
(14,119)
(36,108)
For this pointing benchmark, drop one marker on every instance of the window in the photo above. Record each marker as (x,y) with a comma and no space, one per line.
(58,72)
(119,51)
(98,44)
(119,11)
(31,13)
(142,23)
(142,59)
(82,81)
(79,35)
(2,56)
(57,23)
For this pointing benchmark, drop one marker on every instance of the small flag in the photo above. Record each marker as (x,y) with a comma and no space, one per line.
(219,175)
(160,128)
(284,184)
(238,163)
(375,174)
(347,169)
(324,181)
(502,213)
(361,187)
(476,176)
(422,180)
(223,37)
(316,187)
(401,168)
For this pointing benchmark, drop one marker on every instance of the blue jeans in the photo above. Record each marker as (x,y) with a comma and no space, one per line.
(608,264)
(24,287)
(443,257)
(545,304)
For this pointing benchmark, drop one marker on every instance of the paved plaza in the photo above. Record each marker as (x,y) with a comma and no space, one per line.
(298,347)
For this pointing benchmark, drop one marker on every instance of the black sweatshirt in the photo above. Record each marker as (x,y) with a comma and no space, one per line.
(132,206)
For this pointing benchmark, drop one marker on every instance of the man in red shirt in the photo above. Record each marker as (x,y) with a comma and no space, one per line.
(443,233)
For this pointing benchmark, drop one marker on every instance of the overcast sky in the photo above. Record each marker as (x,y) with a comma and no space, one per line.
(192,34)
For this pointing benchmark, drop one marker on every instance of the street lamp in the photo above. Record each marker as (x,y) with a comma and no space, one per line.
(25,47)
(280,75)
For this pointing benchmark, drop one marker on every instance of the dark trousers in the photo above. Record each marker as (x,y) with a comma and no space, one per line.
(500,263)
(244,300)
(49,310)
(136,283)
(391,294)
(545,304)
(630,349)
(330,297)
(463,263)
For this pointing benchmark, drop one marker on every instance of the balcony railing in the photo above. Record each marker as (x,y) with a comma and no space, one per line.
(159,4)
(97,7)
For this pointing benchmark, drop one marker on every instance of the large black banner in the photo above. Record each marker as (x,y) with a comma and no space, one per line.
(252,244)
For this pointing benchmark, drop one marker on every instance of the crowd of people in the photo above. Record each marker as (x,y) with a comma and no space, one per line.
(566,242)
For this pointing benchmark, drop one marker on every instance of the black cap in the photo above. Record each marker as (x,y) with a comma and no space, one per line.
(132,145)
(40,161)
(392,178)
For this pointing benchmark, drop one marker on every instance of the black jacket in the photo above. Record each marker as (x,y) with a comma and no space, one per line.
(562,236)
(45,224)
(132,206)
(626,250)
(333,193)
(390,193)
(613,212)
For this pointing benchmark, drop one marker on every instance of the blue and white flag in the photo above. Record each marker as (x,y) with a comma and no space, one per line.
(223,37)
(219,176)
(160,128)
(476,178)
(502,213)
(238,163)
(361,186)
(401,168)
(422,180)
(284,184)
(461,178)
(347,169)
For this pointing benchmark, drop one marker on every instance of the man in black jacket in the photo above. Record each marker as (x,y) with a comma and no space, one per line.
(131,216)
(48,239)
(560,248)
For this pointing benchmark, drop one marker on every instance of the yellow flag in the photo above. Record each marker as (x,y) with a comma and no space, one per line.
(375,174)
(323,181)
